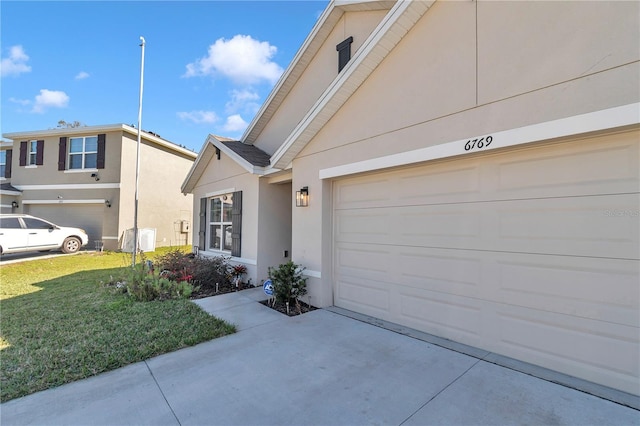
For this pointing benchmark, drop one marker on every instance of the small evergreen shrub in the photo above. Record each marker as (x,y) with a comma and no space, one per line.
(288,283)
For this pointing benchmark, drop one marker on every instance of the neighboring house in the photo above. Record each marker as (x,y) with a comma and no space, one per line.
(472,171)
(85,177)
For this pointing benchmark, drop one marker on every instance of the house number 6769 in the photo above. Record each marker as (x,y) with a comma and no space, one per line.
(478,143)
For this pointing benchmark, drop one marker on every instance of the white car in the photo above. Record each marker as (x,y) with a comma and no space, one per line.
(22,233)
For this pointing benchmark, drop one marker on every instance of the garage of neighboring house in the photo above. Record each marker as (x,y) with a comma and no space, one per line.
(86,216)
(529,252)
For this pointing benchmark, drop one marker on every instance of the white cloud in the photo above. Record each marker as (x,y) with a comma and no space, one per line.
(50,99)
(234,124)
(198,117)
(20,101)
(242,100)
(16,63)
(241,59)
(82,75)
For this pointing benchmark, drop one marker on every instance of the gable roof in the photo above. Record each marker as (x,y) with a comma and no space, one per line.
(393,27)
(402,15)
(249,157)
(148,136)
(310,47)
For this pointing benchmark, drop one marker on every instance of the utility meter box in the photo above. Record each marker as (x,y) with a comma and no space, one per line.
(184,226)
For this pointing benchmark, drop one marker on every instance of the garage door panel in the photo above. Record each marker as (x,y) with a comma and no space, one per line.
(600,161)
(442,271)
(599,289)
(557,226)
(576,346)
(440,314)
(366,296)
(366,262)
(549,225)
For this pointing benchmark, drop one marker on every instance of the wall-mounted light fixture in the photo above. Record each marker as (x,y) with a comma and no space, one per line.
(95,176)
(302,197)
(14,204)
(107,203)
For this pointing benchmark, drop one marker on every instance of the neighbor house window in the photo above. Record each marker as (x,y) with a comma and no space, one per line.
(31,153)
(3,163)
(83,152)
(221,223)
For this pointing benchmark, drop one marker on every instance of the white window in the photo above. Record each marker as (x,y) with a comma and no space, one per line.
(83,152)
(32,153)
(219,235)
(3,163)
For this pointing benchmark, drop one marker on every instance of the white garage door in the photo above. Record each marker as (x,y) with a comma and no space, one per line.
(86,216)
(531,253)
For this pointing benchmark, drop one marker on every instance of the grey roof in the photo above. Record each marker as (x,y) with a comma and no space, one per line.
(252,154)
(8,187)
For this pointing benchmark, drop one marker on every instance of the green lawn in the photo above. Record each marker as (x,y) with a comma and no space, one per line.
(58,323)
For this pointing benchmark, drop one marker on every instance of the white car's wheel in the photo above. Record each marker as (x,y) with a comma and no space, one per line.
(71,245)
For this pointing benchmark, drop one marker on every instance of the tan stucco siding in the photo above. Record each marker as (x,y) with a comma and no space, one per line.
(161,203)
(421,96)
(321,71)
(274,226)
(523,46)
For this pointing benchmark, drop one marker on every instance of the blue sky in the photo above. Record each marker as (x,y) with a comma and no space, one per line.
(208,65)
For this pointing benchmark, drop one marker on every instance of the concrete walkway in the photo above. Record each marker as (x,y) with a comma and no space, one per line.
(320,368)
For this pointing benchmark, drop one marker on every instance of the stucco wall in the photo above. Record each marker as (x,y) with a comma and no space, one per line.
(429,89)
(320,72)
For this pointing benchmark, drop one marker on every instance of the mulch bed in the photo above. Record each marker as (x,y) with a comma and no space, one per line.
(293,309)
(208,291)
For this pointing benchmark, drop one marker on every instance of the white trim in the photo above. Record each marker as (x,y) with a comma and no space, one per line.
(9,192)
(109,238)
(31,166)
(216,193)
(244,260)
(209,253)
(80,171)
(63,201)
(312,274)
(6,206)
(69,186)
(579,124)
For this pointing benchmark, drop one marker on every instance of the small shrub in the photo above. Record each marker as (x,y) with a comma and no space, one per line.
(144,285)
(176,265)
(207,271)
(288,283)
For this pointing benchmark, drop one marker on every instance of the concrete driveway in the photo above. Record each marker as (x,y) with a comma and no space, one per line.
(320,368)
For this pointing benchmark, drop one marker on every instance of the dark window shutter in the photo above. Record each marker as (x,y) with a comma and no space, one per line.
(344,53)
(40,153)
(101,146)
(202,232)
(23,153)
(62,153)
(7,167)
(236,224)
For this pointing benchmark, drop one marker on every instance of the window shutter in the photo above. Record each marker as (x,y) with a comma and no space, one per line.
(62,153)
(344,53)
(7,167)
(40,153)
(202,232)
(23,153)
(101,146)
(236,224)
